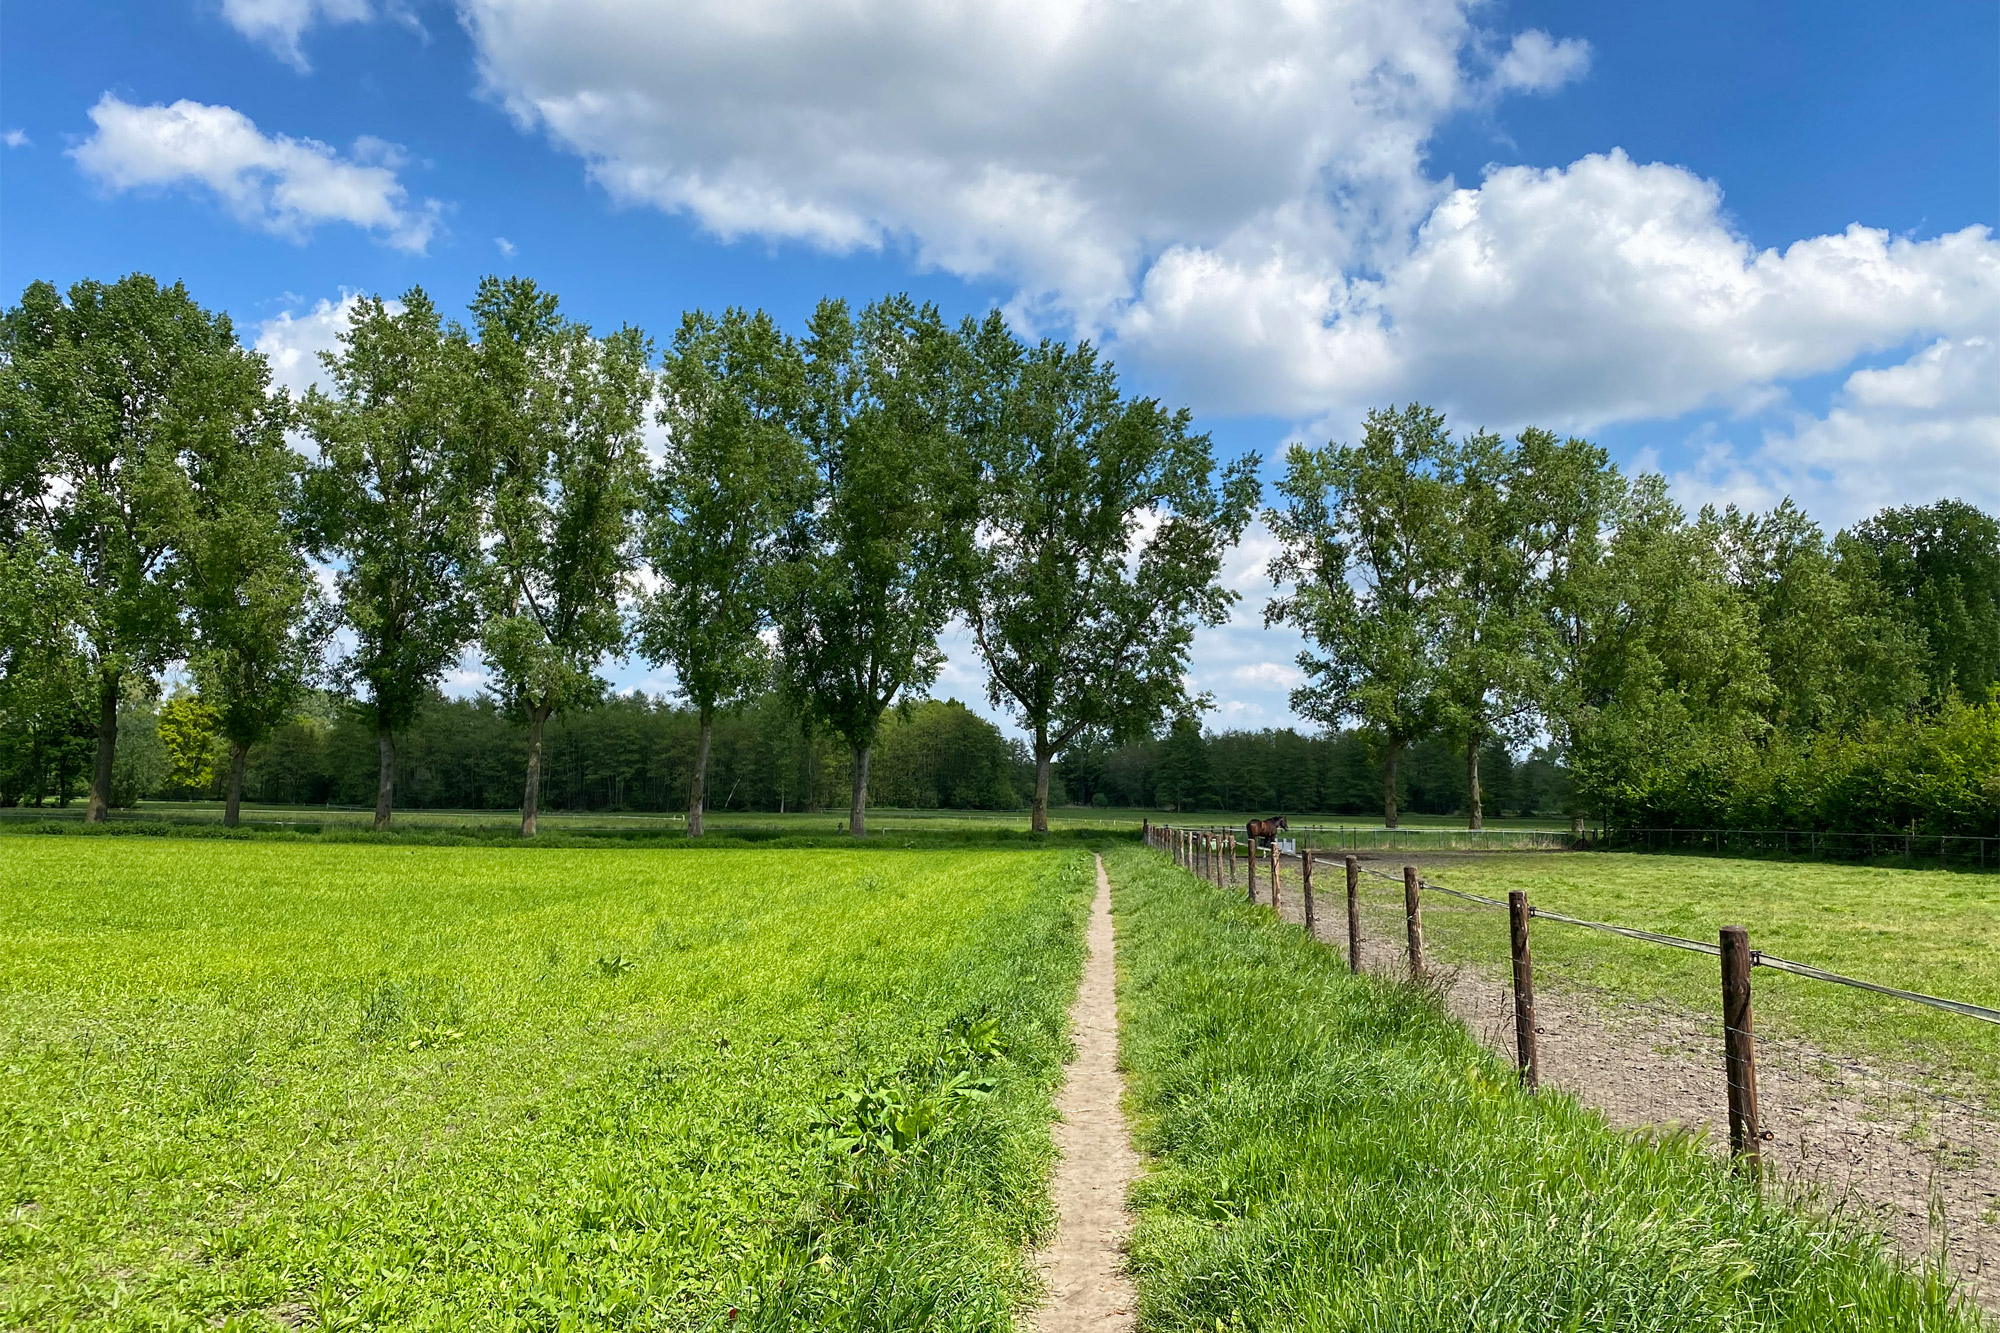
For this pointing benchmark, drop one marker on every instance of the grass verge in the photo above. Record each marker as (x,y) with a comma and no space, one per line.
(264,1084)
(1333,1152)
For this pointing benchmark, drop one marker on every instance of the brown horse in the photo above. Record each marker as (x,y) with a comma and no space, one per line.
(1264,830)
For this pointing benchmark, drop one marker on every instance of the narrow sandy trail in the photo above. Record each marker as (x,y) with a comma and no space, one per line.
(1084,1270)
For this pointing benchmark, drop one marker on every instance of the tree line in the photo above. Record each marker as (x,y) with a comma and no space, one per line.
(813,509)
(1730,668)
(788,520)
(638,753)
(630,753)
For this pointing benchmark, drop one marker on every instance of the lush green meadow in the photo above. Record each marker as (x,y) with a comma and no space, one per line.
(1933,931)
(1333,1152)
(245,1083)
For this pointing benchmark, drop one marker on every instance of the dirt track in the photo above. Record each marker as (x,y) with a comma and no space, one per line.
(1085,1267)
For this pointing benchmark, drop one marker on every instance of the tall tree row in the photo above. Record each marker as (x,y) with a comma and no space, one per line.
(1489,592)
(822,506)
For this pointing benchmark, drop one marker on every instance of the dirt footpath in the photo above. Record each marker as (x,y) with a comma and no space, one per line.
(1920,1162)
(1085,1268)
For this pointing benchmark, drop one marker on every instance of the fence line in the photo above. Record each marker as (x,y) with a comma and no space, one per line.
(1959,848)
(1946,1134)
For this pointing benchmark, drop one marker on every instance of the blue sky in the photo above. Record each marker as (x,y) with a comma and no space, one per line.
(1744,244)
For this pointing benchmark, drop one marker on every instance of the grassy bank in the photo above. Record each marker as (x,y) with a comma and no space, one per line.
(254,1084)
(1336,1153)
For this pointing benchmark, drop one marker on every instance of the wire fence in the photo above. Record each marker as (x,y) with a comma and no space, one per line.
(1361,838)
(1657,1031)
(1951,849)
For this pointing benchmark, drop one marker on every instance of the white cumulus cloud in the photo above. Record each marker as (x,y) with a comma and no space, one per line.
(1058,145)
(292,342)
(1605,291)
(1537,63)
(1908,433)
(1233,191)
(277,183)
(16,139)
(281,24)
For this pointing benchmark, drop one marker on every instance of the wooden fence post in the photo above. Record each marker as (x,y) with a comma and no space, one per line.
(1276,858)
(1739,1051)
(1230,860)
(1250,876)
(1306,887)
(1524,990)
(1413,916)
(1354,914)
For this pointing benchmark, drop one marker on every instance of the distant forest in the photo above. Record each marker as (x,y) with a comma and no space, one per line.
(635,753)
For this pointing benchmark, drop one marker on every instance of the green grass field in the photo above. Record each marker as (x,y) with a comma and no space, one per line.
(246,1084)
(1933,931)
(1334,1153)
(290,1081)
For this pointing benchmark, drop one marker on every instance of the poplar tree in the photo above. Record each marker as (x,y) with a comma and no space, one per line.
(1364,543)
(730,480)
(393,504)
(260,625)
(1102,526)
(872,560)
(556,416)
(107,398)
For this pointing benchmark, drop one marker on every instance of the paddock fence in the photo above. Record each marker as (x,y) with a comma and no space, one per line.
(1657,1031)
(1950,849)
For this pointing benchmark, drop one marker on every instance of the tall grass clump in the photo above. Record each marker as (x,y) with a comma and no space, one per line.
(1333,1152)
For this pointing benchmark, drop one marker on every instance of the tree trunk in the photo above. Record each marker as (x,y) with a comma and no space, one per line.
(385,782)
(1389,815)
(1038,820)
(107,746)
(531,799)
(812,775)
(695,826)
(857,810)
(1475,817)
(232,804)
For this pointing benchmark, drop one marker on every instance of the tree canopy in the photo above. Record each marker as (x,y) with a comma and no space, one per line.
(1102,525)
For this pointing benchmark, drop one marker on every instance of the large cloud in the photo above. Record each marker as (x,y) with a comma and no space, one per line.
(1058,145)
(275,182)
(1604,291)
(1233,189)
